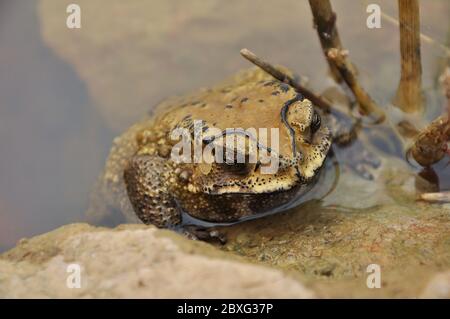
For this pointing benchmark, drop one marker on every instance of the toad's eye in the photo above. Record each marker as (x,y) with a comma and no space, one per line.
(238,168)
(315,123)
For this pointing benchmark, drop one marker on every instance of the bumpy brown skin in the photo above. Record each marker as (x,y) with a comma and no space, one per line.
(158,202)
(160,189)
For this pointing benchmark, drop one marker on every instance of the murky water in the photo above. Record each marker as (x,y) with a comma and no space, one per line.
(64,94)
(52,140)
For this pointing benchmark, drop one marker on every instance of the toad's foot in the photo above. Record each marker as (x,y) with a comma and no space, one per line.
(204,233)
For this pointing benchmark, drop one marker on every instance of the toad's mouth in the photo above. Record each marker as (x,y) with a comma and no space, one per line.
(244,179)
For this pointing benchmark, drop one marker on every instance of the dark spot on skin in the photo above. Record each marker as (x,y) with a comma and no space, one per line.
(195,102)
(228,106)
(275,92)
(203,105)
(284,87)
(245,99)
(261,101)
(185,175)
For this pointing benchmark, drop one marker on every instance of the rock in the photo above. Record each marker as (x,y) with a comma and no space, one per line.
(330,243)
(134,261)
(438,286)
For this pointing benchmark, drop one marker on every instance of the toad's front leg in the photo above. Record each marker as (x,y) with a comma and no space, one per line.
(146,179)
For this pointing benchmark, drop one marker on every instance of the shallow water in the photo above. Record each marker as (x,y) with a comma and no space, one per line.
(64,94)
(52,140)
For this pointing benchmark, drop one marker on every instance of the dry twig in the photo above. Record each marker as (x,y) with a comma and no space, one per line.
(442,197)
(341,68)
(286,78)
(366,105)
(423,37)
(325,23)
(446,84)
(409,96)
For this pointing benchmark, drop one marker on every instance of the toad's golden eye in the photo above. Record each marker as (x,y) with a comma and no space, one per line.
(238,168)
(315,123)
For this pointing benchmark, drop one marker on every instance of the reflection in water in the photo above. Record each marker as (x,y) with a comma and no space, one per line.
(52,143)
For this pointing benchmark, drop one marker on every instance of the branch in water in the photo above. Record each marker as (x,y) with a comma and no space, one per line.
(442,197)
(366,105)
(446,84)
(431,144)
(286,78)
(325,23)
(409,96)
(341,68)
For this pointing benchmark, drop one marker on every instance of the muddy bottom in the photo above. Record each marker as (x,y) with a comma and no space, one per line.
(330,246)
